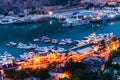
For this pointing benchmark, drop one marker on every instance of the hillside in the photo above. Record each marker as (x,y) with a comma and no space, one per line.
(20,5)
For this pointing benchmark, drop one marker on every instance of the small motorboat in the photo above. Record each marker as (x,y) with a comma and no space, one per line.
(47,41)
(68,41)
(61,50)
(62,42)
(54,41)
(12,44)
(36,40)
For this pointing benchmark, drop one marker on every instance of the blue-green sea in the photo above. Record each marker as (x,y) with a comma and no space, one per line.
(27,32)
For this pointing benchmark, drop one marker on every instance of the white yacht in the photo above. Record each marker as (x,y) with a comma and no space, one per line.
(110,16)
(27,55)
(60,50)
(62,42)
(8,20)
(25,46)
(54,41)
(75,22)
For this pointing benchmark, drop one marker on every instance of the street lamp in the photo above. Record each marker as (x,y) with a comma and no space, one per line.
(50,13)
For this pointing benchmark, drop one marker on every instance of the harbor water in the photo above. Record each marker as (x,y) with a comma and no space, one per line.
(25,33)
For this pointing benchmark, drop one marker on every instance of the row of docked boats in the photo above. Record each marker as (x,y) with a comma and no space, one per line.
(6,58)
(92,39)
(67,20)
(21,45)
(79,19)
(46,40)
(35,47)
(23,19)
(71,44)
(62,42)
(7,61)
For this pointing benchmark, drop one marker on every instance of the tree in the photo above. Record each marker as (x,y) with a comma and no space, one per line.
(118,73)
(31,72)
(21,75)
(100,75)
(115,66)
(10,73)
(114,39)
(114,54)
(73,66)
(43,74)
(84,75)
(76,78)
(106,76)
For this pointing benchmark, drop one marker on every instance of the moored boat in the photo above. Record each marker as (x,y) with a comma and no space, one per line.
(11,44)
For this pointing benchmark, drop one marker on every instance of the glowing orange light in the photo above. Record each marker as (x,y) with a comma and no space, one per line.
(66,75)
(25,64)
(98,18)
(37,59)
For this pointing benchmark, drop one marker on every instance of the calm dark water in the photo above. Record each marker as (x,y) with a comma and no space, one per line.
(26,33)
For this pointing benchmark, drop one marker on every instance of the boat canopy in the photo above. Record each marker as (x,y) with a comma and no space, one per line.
(87,49)
(19,59)
(75,13)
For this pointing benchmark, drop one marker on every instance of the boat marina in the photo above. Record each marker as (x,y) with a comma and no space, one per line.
(47,40)
(81,46)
